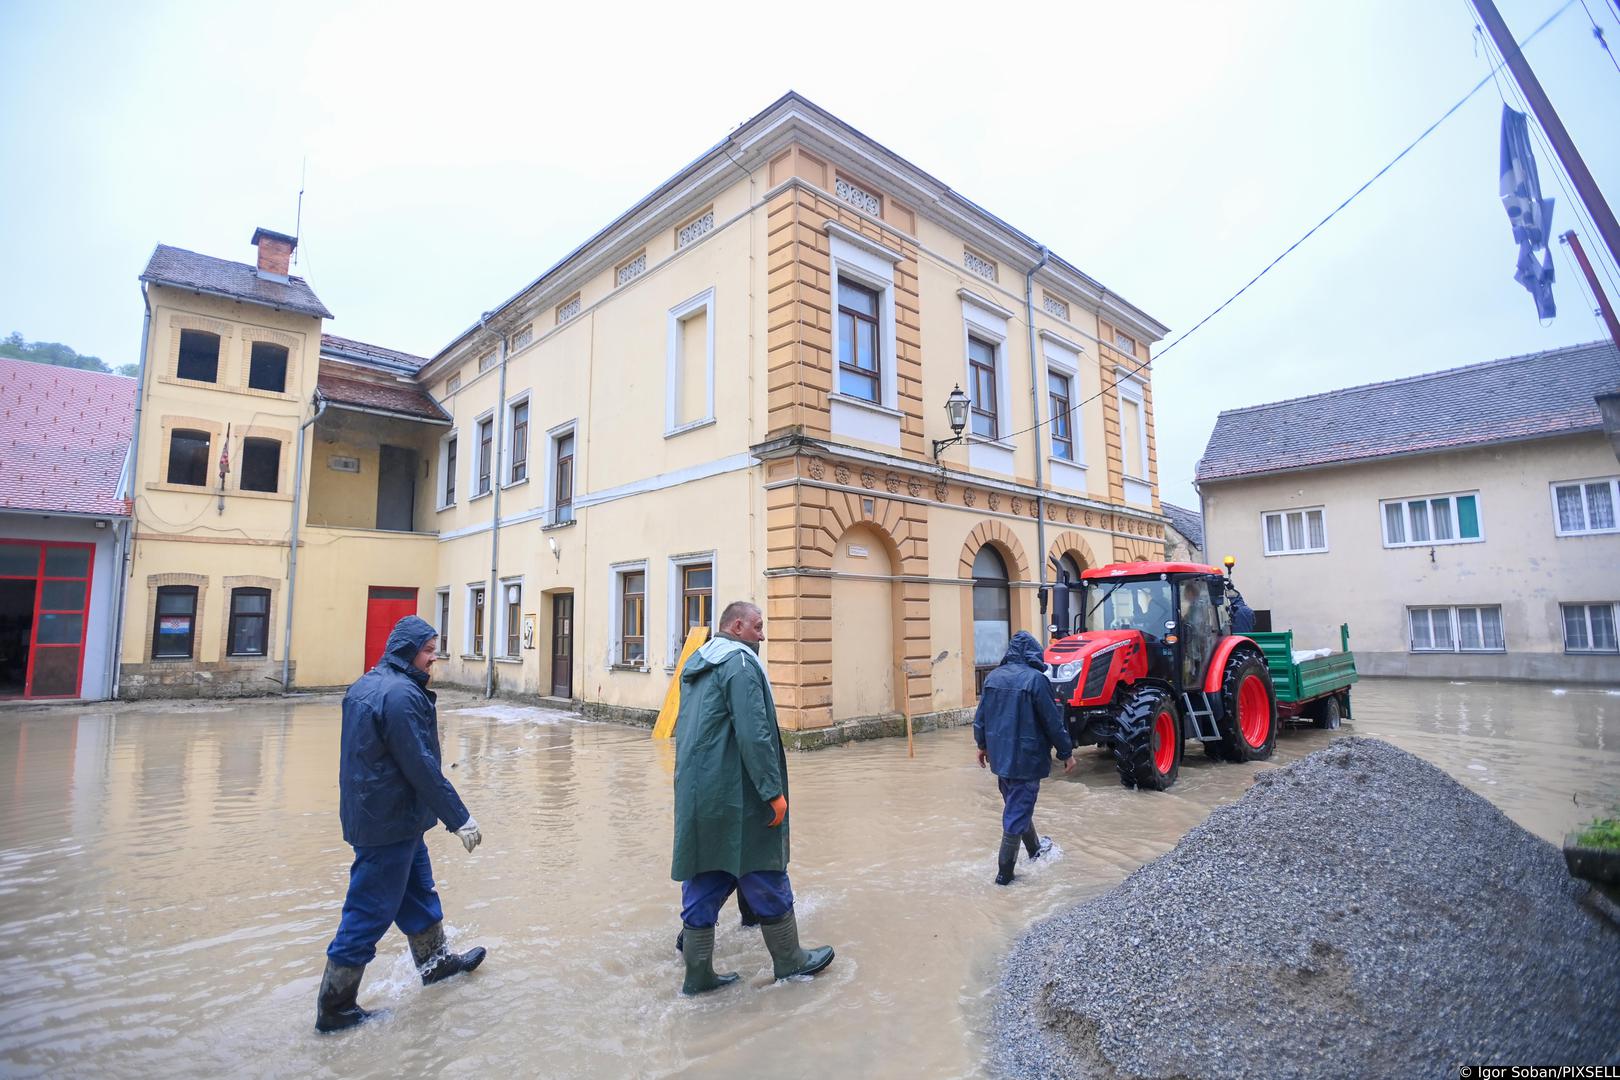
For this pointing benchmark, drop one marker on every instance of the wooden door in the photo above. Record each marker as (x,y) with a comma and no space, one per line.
(562,645)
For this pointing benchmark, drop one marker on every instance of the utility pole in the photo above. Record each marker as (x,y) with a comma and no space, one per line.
(1602,297)
(1585,187)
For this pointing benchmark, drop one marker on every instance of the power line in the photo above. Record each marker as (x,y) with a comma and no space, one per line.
(1107,386)
(1597,32)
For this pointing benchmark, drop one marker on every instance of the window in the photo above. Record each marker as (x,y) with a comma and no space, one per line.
(1056,306)
(1295,532)
(188,457)
(1589,628)
(514,617)
(199,356)
(689,364)
(1061,430)
(486,361)
(475,620)
(857,196)
(261,464)
(1440,519)
(633,617)
(992,613)
(1125,343)
(697,597)
(486,440)
(695,229)
(568,309)
(520,443)
(174,624)
(452,384)
(1459,629)
(449,471)
(444,619)
(523,338)
(978,264)
(249,630)
(982,374)
(859,368)
(267,367)
(1586,506)
(562,484)
(629,271)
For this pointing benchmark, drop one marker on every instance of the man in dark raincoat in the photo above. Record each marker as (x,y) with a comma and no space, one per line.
(731,803)
(1017,726)
(391,792)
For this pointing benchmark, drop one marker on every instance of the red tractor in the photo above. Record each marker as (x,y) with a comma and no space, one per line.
(1150,661)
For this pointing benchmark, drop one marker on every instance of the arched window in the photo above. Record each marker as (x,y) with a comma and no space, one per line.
(992,613)
(1070,567)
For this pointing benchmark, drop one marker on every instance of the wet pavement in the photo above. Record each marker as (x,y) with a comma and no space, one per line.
(170,876)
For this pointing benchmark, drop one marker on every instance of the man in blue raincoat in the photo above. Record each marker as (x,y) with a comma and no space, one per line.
(1017,726)
(731,803)
(391,791)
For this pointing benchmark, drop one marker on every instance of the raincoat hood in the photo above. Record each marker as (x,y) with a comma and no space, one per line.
(406,640)
(712,653)
(1024,649)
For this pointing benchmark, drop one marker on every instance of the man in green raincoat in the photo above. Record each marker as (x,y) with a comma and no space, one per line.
(731,808)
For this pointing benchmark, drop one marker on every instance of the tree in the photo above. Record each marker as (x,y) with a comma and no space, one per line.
(50,352)
(130,371)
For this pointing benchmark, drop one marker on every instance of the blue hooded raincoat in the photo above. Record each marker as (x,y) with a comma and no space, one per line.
(389,779)
(1017,722)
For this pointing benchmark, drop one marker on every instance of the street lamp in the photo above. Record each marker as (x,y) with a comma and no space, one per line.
(956,408)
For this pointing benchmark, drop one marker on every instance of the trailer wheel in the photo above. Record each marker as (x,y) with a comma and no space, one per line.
(1249,724)
(1328,713)
(1147,742)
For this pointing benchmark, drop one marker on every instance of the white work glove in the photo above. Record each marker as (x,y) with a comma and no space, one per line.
(469,835)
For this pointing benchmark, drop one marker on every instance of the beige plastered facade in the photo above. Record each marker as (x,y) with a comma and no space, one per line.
(1520,563)
(688,353)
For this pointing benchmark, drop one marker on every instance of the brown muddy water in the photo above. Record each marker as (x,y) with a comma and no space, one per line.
(170,877)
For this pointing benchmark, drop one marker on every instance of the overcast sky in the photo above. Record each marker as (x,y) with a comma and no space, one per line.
(454,152)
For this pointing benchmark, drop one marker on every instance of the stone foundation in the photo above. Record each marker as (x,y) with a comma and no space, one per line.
(195,679)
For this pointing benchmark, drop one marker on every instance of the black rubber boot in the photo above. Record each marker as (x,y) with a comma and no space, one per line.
(1035,844)
(434,960)
(1007,857)
(699,954)
(335,1007)
(787,956)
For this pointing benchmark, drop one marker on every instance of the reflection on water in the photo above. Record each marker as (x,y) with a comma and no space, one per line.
(169,878)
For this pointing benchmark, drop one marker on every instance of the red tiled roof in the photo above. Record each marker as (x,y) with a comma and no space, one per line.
(402,399)
(358,352)
(64,434)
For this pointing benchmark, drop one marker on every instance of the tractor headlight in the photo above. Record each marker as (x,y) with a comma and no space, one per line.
(1068,672)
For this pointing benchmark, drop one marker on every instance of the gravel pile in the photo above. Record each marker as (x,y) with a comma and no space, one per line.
(1356,913)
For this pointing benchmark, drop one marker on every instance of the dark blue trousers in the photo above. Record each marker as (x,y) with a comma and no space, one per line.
(1018,804)
(767,892)
(389,884)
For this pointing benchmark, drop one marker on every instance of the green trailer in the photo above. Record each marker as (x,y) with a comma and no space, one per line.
(1315,688)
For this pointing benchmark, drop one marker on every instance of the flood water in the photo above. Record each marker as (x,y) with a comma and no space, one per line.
(170,877)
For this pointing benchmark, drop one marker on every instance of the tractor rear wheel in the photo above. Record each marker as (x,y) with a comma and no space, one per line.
(1249,725)
(1327,713)
(1147,742)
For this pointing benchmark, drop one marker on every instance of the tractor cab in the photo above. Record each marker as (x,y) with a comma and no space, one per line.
(1178,610)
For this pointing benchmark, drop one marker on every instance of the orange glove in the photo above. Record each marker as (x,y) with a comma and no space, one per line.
(779,810)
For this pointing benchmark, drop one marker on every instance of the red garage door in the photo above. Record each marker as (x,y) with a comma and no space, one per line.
(44,615)
(384,608)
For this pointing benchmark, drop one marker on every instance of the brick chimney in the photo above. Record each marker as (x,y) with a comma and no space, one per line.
(275,251)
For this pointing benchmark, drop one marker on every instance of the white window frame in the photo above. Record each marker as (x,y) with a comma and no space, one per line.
(1428,500)
(443,500)
(675,609)
(675,363)
(471,606)
(548,483)
(1586,509)
(867,263)
(1454,621)
(616,615)
(1063,357)
(987,321)
(506,584)
(478,448)
(1586,607)
(1265,543)
(1130,388)
(441,615)
(506,439)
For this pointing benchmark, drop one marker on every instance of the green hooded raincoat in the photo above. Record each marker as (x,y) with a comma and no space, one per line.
(729,765)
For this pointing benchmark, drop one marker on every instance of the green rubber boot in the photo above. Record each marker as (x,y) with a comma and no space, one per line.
(787,956)
(699,955)
(1007,858)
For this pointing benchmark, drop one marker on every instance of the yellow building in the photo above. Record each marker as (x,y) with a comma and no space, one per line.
(737,389)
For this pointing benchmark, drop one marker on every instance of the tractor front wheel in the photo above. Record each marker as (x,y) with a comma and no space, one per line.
(1249,726)
(1147,742)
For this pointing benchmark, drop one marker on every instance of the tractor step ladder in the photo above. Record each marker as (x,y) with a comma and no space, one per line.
(1203,719)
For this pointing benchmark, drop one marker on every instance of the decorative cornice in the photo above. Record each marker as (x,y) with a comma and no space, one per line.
(968,296)
(865,243)
(1059,339)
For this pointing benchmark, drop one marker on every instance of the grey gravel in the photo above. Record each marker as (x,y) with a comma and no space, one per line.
(1356,913)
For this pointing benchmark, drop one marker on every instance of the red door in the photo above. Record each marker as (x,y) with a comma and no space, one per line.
(384,608)
(44,616)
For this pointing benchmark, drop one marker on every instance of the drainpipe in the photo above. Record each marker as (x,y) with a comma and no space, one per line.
(127,548)
(496,475)
(292,551)
(1035,415)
